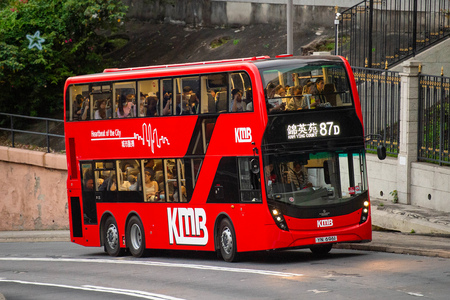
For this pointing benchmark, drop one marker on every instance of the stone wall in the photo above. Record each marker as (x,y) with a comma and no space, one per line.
(33,189)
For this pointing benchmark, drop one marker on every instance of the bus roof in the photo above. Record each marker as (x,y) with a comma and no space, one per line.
(255,58)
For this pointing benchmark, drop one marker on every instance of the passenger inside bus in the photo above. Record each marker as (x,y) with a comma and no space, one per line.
(249,99)
(318,97)
(151,186)
(76,106)
(133,183)
(296,101)
(211,101)
(126,106)
(237,105)
(298,176)
(100,113)
(151,110)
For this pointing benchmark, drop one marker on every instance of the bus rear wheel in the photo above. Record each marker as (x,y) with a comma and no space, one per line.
(112,238)
(322,249)
(135,237)
(227,241)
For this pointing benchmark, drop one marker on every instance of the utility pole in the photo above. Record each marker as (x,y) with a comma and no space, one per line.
(336,33)
(290,30)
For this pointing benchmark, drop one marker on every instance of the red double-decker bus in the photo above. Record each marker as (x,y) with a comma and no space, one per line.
(228,156)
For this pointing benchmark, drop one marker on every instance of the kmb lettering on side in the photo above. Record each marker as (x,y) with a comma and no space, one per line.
(243,135)
(187,225)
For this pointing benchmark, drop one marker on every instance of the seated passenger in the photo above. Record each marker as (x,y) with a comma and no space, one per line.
(279,91)
(76,106)
(126,107)
(317,94)
(152,106)
(151,186)
(211,101)
(249,100)
(296,102)
(133,183)
(85,110)
(176,198)
(100,113)
(330,94)
(237,105)
(194,104)
(299,176)
(270,90)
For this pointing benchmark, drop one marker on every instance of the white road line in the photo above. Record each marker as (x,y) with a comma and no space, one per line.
(154,264)
(91,288)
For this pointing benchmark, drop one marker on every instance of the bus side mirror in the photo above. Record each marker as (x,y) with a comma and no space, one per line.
(254,166)
(326,172)
(381,152)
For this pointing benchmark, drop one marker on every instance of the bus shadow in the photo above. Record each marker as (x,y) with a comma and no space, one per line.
(260,257)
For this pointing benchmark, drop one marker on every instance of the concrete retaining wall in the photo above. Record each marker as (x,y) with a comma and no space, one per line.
(33,189)
(429,183)
(238,12)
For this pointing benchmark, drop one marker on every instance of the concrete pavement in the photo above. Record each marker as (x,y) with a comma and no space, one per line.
(402,229)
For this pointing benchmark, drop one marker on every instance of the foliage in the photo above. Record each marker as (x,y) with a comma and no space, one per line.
(394,195)
(32,80)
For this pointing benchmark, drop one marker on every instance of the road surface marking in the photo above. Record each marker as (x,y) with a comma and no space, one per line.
(92,288)
(155,264)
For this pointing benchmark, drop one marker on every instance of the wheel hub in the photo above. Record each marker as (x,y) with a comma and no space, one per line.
(112,236)
(135,236)
(227,240)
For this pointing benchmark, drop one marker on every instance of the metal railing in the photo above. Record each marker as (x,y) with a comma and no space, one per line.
(382,33)
(16,130)
(379,93)
(434,119)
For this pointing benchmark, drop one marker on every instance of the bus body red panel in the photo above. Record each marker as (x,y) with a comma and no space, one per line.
(193,225)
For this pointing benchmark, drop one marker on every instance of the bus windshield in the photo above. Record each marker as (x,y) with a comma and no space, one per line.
(305,85)
(316,178)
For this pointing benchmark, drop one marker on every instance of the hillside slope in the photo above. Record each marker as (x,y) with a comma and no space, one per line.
(154,44)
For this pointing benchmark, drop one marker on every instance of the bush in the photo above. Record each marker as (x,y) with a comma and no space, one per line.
(32,78)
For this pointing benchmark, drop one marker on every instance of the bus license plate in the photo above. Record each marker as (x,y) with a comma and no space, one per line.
(326,239)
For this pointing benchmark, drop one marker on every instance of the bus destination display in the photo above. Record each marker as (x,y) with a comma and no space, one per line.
(312,130)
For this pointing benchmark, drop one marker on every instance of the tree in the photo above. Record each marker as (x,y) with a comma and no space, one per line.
(42,42)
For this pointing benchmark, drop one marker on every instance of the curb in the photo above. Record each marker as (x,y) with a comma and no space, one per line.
(394,249)
(407,222)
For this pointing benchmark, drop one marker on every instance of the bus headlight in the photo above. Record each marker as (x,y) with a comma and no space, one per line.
(365,212)
(278,218)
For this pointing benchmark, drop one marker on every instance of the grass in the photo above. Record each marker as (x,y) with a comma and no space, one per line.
(219,42)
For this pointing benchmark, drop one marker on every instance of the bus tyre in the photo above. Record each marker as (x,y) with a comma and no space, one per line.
(227,241)
(111,236)
(135,237)
(322,249)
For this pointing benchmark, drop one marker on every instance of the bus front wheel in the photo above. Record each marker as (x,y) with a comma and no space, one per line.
(111,238)
(135,237)
(227,241)
(322,249)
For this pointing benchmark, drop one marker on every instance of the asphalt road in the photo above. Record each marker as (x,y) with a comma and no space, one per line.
(62,270)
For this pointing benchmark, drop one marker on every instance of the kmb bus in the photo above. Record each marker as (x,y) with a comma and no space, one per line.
(229,156)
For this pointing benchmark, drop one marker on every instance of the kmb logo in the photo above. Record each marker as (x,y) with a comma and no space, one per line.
(243,135)
(325,223)
(190,232)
